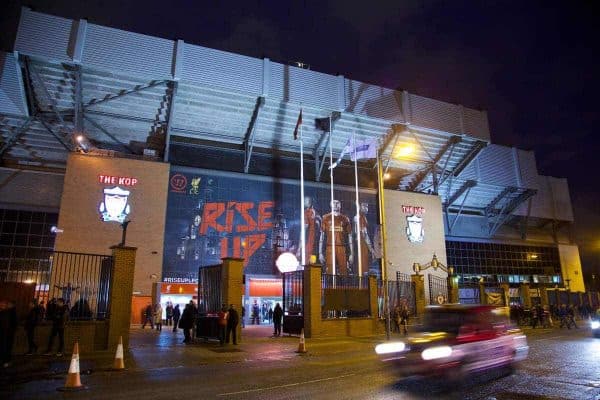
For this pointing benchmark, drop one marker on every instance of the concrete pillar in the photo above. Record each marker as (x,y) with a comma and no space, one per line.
(506,293)
(121,290)
(482,296)
(312,300)
(452,289)
(232,285)
(419,282)
(526,295)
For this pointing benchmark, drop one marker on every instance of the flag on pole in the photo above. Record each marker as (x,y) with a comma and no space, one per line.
(365,148)
(298,123)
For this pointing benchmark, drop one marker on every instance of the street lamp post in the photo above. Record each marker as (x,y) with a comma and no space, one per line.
(386,305)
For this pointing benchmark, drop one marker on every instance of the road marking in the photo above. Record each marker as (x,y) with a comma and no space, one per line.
(284,386)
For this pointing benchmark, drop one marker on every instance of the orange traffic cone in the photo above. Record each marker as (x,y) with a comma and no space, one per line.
(301,345)
(73,382)
(119,364)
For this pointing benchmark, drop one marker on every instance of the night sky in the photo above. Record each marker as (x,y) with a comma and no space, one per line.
(532,65)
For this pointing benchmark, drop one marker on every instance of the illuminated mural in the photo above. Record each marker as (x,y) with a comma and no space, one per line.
(213,215)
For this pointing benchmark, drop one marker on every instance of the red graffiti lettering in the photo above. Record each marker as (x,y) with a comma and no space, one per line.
(243,209)
(211,212)
(264,215)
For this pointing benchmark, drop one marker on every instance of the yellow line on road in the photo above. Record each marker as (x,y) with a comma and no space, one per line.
(284,386)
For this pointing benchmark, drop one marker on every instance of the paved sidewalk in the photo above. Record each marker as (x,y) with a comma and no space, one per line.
(151,350)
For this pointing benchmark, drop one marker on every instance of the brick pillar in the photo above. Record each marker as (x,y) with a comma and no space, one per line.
(525,295)
(121,290)
(419,282)
(231,286)
(482,296)
(506,293)
(452,289)
(312,300)
(373,296)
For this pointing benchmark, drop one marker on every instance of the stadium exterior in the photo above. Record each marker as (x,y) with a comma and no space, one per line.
(199,143)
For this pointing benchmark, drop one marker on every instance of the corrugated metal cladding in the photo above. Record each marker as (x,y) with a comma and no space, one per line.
(471,171)
(476,123)
(562,199)
(373,101)
(496,166)
(299,85)
(12,100)
(528,166)
(44,35)
(134,53)
(221,69)
(434,114)
(31,189)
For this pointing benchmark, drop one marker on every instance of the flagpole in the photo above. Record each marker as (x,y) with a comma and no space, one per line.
(358,232)
(331,203)
(302,222)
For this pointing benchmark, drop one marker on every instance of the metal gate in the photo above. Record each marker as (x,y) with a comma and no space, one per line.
(438,290)
(210,298)
(293,302)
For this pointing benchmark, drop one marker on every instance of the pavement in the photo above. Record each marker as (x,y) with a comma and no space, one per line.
(153,350)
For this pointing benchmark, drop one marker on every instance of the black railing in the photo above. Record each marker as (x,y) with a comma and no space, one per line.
(81,280)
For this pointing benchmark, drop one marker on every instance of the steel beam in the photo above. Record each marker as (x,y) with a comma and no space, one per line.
(78,102)
(465,186)
(15,136)
(470,156)
(170,118)
(125,92)
(251,132)
(450,144)
(107,133)
(460,210)
(490,208)
(509,207)
(61,140)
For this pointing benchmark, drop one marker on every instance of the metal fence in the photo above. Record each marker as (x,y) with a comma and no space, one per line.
(293,287)
(345,296)
(438,289)
(401,291)
(210,298)
(81,280)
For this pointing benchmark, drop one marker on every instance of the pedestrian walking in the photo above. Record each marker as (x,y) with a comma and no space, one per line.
(243,316)
(255,314)
(186,322)
(59,319)
(222,324)
(176,316)
(8,328)
(233,319)
(404,316)
(396,318)
(158,316)
(148,316)
(277,316)
(169,313)
(34,316)
(270,314)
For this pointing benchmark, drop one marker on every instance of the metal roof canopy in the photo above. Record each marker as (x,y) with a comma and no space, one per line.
(123,113)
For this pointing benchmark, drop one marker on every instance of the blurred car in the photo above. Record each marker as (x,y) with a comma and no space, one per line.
(595,325)
(457,340)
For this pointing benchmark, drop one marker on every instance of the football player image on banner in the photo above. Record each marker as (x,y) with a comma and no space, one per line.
(342,241)
(367,252)
(312,226)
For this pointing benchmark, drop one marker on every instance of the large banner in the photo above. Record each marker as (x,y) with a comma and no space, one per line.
(211,215)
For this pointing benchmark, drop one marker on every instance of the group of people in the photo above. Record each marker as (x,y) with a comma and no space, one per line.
(400,316)
(153,315)
(57,313)
(545,316)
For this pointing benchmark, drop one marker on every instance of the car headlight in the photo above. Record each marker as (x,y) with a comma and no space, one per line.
(386,348)
(595,324)
(433,353)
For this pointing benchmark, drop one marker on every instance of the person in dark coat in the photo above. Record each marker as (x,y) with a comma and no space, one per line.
(59,319)
(233,320)
(186,322)
(277,316)
(8,327)
(222,324)
(169,311)
(176,317)
(34,316)
(148,316)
